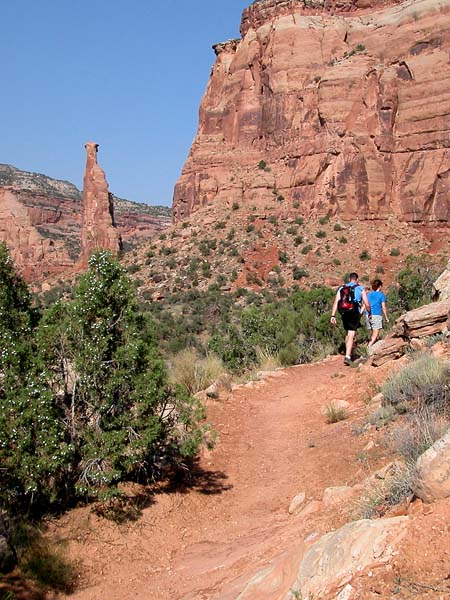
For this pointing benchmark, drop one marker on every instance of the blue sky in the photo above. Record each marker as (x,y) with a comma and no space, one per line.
(128,75)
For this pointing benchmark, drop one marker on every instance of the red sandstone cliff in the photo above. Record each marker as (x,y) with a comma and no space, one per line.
(40,220)
(335,107)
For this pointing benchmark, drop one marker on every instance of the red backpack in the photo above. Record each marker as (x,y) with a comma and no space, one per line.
(347,303)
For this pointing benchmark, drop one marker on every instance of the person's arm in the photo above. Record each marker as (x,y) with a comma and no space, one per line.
(366,302)
(384,307)
(334,308)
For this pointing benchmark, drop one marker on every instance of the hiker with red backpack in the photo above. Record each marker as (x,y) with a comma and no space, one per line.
(349,301)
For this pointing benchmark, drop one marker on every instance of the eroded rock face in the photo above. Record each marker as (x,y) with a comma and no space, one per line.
(40,221)
(333,107)
(98,230)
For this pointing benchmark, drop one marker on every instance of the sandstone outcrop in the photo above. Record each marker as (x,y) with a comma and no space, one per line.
(432,473)
(418,323)
(40,220)
(442,285)
(98,229)
(333,561)
(337,108)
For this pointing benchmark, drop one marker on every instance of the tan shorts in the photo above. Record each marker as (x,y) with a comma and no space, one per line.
(376,322)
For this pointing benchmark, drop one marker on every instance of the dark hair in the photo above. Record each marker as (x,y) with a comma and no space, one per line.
(353,276)
(376,284)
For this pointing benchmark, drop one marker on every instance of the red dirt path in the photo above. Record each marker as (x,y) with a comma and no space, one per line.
(207,541)
(273,443)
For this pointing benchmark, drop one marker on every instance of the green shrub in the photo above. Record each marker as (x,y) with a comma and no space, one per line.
(324,220)
(415,283)
(283,257)
(75,387)
(306,249)
(395,252)
(292,230)
(298,273)
(337,227)
(343,239)
(321,233)
(250,227)
(298,240)
(262,165)
(379,270)
(273,220)
(364,255)
(299,221)
(235,206)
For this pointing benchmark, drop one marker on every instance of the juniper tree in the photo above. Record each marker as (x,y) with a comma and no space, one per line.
(87,404)
(121,416)
(33,452)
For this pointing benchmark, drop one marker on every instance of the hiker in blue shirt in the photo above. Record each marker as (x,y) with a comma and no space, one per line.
(349,301)
(377,302)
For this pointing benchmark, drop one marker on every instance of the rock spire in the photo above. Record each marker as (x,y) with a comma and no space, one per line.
(98,229)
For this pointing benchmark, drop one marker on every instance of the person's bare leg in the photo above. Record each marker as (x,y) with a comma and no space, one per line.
(374,337)
(349,341)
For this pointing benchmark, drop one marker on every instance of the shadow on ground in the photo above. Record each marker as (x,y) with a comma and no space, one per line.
(15,587)
(196,478)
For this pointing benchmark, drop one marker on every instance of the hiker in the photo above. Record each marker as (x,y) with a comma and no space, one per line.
(348,301)
(377,301)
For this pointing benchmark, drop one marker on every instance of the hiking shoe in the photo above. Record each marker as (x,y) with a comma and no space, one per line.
(347,361)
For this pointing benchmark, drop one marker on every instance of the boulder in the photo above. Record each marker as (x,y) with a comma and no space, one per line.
(296,502)
(432,473)
(409,331)
(333,496)
(388,349)
(423,321)
(333,561)
(441,287)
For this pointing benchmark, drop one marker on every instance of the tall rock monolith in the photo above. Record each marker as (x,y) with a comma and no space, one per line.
(98,230)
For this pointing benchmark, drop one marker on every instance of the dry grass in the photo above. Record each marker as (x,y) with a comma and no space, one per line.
(335,413)
(195,372)
(267,361)
(425,378)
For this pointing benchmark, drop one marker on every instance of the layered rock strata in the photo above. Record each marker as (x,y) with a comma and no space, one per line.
(40,220)
(98,230)
(337,108)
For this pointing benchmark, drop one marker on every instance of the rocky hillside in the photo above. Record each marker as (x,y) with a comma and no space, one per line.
(334,108)
(40,219)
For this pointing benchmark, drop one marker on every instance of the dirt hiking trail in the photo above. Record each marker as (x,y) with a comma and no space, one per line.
(208,540)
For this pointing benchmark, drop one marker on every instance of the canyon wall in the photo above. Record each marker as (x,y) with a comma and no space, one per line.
(333,108)
(40,220)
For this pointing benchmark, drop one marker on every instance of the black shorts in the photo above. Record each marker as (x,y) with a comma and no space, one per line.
(351,321)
